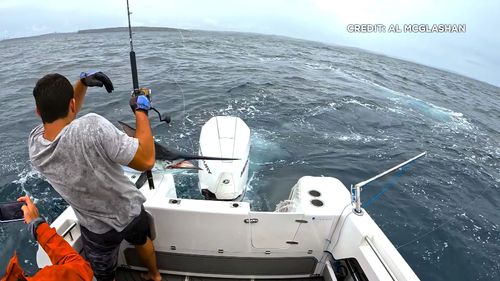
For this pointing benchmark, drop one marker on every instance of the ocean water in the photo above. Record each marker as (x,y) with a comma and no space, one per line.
(314,109)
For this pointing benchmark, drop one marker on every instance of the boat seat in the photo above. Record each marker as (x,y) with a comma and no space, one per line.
(152,228)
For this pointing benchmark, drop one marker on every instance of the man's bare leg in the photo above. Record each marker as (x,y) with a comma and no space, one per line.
(147,254)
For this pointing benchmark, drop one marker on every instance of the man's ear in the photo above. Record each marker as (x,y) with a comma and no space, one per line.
(37,112)
(72,105)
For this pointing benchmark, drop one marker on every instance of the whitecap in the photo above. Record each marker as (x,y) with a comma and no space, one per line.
(357,102)
(453,120)
(356,137)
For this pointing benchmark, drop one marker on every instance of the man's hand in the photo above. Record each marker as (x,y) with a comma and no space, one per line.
(30,210)
(141,102)
(93,79)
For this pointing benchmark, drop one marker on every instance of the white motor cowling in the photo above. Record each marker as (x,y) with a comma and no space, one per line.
(225,137)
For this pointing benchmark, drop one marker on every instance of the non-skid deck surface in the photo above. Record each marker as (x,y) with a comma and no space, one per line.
(124,274)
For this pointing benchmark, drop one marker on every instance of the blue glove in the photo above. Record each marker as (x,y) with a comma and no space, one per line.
(140,102)
(96,78)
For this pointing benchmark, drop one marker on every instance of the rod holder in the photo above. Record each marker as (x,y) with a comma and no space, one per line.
(357,196)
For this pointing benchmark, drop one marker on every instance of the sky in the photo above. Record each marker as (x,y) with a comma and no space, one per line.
(473,53)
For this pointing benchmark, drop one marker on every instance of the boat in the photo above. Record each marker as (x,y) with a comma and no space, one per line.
(320,232)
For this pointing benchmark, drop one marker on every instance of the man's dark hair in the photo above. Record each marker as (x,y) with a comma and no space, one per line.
(53,93)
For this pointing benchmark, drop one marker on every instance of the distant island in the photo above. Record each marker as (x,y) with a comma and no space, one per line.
(125,29)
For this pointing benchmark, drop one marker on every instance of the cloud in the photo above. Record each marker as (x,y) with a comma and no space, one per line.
(39,28)
(473,53)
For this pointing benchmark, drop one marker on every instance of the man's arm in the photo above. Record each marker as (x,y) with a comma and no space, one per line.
(67,263)
(144,158)
(90,79)
(79,94)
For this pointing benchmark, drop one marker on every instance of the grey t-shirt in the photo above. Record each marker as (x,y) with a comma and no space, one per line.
(83,164)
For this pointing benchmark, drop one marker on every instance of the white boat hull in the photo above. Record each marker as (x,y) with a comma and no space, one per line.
(314,233)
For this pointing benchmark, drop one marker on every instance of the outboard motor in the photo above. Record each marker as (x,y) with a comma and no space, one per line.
(227,137)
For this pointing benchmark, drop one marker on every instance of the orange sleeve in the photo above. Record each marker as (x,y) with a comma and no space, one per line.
(13,272)
(66,261)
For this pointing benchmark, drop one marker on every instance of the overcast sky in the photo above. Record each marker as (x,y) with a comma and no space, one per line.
(474,53)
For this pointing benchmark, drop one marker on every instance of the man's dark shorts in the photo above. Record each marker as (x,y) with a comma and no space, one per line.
(101,250)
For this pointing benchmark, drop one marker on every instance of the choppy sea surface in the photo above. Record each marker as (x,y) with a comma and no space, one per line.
(314,109)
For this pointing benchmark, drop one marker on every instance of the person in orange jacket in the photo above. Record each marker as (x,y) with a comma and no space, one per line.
(67,264)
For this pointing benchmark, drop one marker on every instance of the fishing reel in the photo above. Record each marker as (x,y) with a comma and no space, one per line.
(147,92)
(141,91)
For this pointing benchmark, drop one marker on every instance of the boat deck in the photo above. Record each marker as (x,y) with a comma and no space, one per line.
(125,274)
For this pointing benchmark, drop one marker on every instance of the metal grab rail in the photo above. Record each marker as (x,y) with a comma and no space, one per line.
(68,231)
(380,258)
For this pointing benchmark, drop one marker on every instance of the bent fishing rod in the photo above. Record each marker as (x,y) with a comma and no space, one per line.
(140,91)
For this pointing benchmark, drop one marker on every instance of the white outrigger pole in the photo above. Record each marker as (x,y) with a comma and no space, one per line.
(358,186)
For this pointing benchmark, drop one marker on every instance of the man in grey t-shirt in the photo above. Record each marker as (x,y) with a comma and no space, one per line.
(81,158)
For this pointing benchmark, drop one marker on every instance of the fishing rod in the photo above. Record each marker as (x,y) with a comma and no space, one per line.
(140,91)
(133,64)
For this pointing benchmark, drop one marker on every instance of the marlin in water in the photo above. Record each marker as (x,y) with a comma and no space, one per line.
(171,158)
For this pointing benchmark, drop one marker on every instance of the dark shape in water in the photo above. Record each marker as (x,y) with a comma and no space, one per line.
(176,157)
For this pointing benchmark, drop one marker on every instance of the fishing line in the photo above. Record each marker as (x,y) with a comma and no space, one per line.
(184,99)
(184,117)
(391,184)
(444,223)
(421,236)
